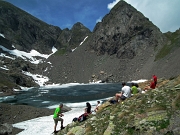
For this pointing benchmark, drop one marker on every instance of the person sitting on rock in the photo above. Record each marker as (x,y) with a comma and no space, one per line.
(88,105)
(97,106)
(134,89)
(138,88)
(82,117)
(150,86)
(125,92)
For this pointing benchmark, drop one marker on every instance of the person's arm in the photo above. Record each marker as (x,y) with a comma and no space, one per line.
(61,114)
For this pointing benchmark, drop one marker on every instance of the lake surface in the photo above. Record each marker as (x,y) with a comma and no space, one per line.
(67,93)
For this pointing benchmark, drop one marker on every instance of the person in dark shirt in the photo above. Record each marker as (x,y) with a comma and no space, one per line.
(88,105)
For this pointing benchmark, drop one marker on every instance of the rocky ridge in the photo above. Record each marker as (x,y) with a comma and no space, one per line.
(125,46)
(155,112)
(20,30)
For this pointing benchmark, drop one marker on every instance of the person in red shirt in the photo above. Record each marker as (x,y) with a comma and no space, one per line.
(155,79)
(151,86)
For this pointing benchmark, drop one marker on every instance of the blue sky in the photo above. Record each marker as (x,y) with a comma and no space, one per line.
(65,13)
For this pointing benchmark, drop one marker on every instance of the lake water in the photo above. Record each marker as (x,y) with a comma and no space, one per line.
(72,95)
(67,93)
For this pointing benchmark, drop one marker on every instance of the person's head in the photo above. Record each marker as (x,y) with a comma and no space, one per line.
(132,84)
(88,104)
(98,102)
(61,105)
(123,83)
(136,85)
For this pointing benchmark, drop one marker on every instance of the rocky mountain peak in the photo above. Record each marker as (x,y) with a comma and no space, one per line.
(78,25)
(125,32)
(25,31)
(129,47)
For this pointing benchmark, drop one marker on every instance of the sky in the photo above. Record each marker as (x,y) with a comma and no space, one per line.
(65,13)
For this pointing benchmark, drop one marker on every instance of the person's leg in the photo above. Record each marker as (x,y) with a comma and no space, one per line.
(55,125)
(60,119)
(118,95)
(62,122)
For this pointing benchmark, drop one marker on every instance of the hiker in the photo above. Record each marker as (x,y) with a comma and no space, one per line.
(88,105)
(98,104)
(83,117)
(155,79)
(150,86)
(125,92)
(134,89)
(138,88)
(57,117)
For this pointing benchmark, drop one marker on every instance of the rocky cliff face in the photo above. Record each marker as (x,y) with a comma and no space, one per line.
(124,46)
(24,32)
(125,32)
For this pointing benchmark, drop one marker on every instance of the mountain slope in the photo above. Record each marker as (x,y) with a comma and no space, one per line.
(122,47)
(154,112)
(22,32)
(125,46)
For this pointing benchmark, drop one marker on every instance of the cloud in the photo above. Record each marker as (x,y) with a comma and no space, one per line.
(163,14)
(111,5)
(99,19)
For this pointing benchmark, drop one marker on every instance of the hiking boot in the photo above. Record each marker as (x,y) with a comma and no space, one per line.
(55,132)
(62,127)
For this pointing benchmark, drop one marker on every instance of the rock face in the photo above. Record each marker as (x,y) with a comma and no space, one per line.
(125,32)
(124,46)
(24,32)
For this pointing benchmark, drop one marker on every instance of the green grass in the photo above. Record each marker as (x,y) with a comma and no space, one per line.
(61,51)
(174,39)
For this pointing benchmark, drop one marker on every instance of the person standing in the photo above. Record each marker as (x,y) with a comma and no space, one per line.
(155,79)
(57,117)
(125,92)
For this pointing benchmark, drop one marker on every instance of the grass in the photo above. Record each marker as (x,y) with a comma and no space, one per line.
(137,115)
(173,43)
(61,51)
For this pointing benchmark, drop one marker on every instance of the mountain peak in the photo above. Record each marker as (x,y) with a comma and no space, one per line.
(123,29)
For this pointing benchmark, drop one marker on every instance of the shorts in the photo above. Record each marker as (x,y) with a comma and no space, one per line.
(57,119)
(123,97)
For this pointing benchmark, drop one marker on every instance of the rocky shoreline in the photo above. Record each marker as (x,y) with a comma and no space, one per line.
(11,114)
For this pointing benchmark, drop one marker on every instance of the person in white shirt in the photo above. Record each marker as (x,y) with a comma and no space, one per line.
(98,104)
(125,92)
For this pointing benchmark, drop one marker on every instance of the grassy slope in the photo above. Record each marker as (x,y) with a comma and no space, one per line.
(156,111)
(174,40)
